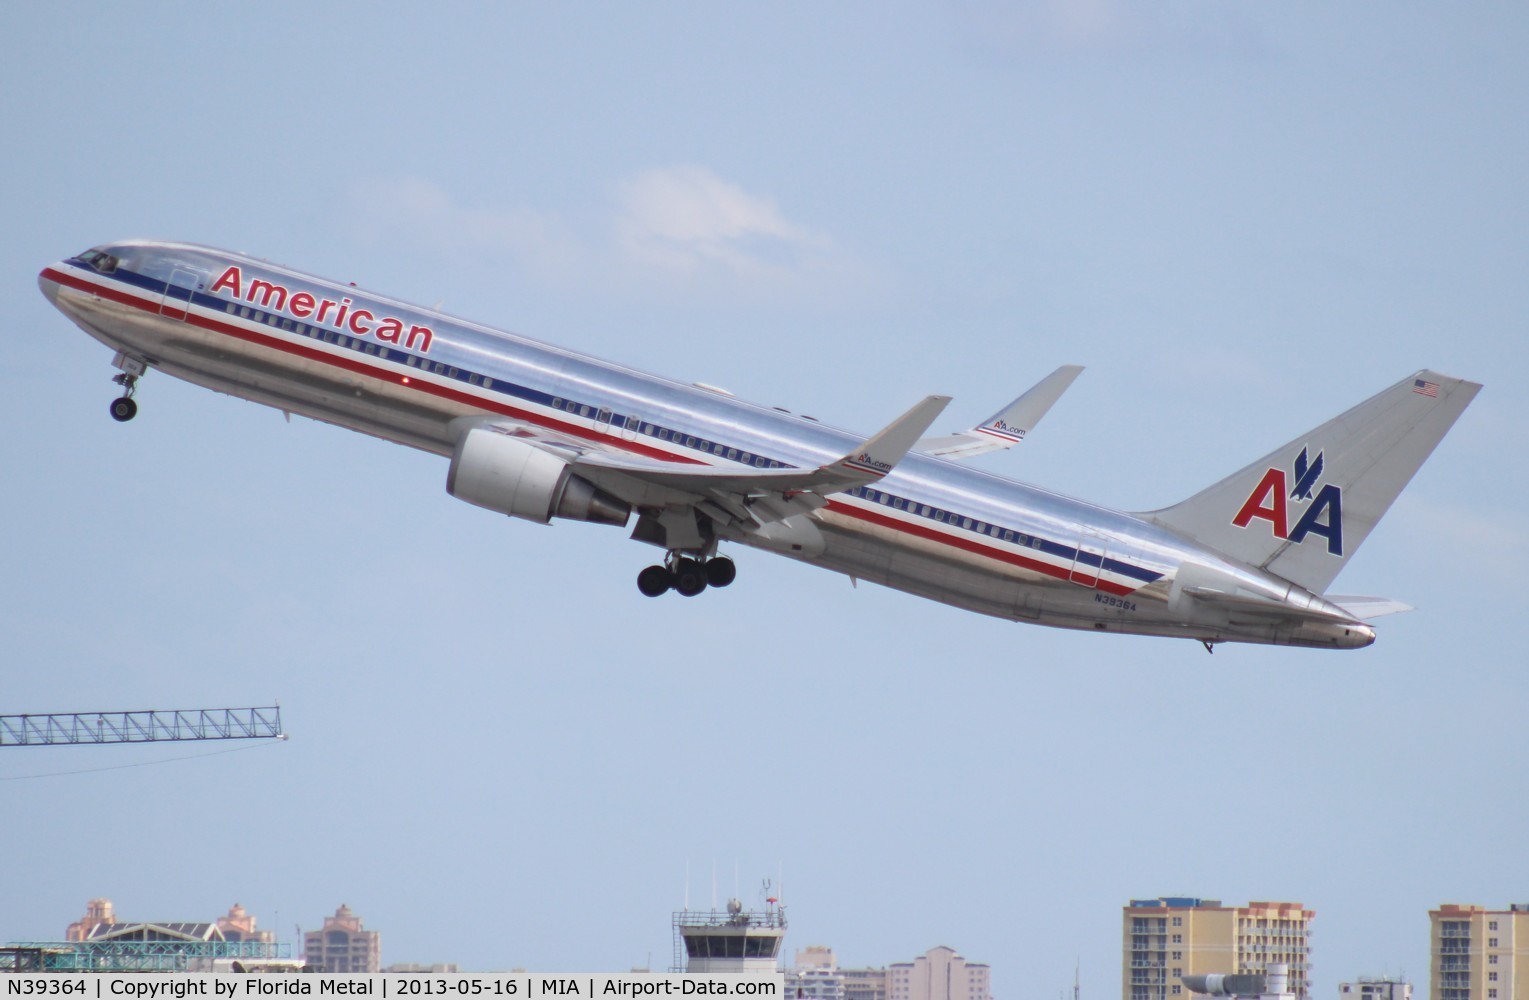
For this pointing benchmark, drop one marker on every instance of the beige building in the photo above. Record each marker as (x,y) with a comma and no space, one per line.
(98,913)
(1479,954)
(815,976)
(864,984)
(939,974)
(343,945)
(1170,937)
(238,925)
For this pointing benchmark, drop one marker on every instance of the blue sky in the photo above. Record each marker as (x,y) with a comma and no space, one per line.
(1242,218)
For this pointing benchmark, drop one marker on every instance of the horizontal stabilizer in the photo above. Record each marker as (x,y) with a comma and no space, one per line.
(1367,608)
(1251,604)
(1008,426)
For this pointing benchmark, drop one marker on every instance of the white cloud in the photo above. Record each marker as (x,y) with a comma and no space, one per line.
(414,210)
(675,230)
(686,218)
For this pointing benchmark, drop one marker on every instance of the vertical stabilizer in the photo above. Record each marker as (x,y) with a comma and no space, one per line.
(1304,508)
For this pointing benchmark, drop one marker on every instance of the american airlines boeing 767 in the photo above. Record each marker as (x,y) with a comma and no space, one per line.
(539,432)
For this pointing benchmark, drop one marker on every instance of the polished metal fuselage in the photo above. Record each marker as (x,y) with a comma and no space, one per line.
(932,527)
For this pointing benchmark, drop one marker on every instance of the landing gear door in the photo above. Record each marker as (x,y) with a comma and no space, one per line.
(175,300)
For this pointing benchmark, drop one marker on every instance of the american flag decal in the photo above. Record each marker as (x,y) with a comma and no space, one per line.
(1425,388)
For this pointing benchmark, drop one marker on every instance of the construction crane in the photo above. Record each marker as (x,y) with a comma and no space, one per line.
(141,727)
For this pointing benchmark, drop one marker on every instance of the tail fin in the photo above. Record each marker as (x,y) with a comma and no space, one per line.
(1303,509)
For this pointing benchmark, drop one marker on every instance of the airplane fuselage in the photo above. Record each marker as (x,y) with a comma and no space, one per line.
(397,371)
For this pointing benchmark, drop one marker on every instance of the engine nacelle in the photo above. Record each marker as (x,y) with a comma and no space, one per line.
(503,473)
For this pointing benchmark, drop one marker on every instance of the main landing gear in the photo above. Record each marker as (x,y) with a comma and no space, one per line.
(123,408)
(686,576)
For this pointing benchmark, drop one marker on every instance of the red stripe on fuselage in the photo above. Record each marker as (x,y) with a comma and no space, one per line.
(413,379)
(413,382)
(975,547)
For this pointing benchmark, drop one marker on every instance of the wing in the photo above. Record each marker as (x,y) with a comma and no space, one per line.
(1008,426)
(733,493)
(758,495)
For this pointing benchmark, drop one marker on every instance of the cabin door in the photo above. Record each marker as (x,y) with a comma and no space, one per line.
(1088,563)
(174,302)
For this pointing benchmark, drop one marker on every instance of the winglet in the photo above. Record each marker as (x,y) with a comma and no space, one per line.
(1008,426)
(884,449)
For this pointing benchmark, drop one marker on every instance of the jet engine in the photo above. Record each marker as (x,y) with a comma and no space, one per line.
(507,474)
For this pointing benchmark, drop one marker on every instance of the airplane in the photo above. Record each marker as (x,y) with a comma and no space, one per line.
(542,433)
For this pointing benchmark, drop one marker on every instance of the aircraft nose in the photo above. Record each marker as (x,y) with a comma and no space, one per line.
(49,286)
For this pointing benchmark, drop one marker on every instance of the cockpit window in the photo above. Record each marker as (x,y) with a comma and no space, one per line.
(100,260)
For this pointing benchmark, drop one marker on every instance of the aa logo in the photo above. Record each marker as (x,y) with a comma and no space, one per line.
(1276,500)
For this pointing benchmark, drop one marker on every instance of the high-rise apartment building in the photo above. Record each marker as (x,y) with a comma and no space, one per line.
(1170,937)
(1479,954)
(343,945)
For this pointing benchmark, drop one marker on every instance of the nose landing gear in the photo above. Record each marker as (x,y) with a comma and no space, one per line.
(686,576)
(123,408)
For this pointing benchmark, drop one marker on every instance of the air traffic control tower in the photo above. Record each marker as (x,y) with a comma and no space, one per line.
(736,941)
